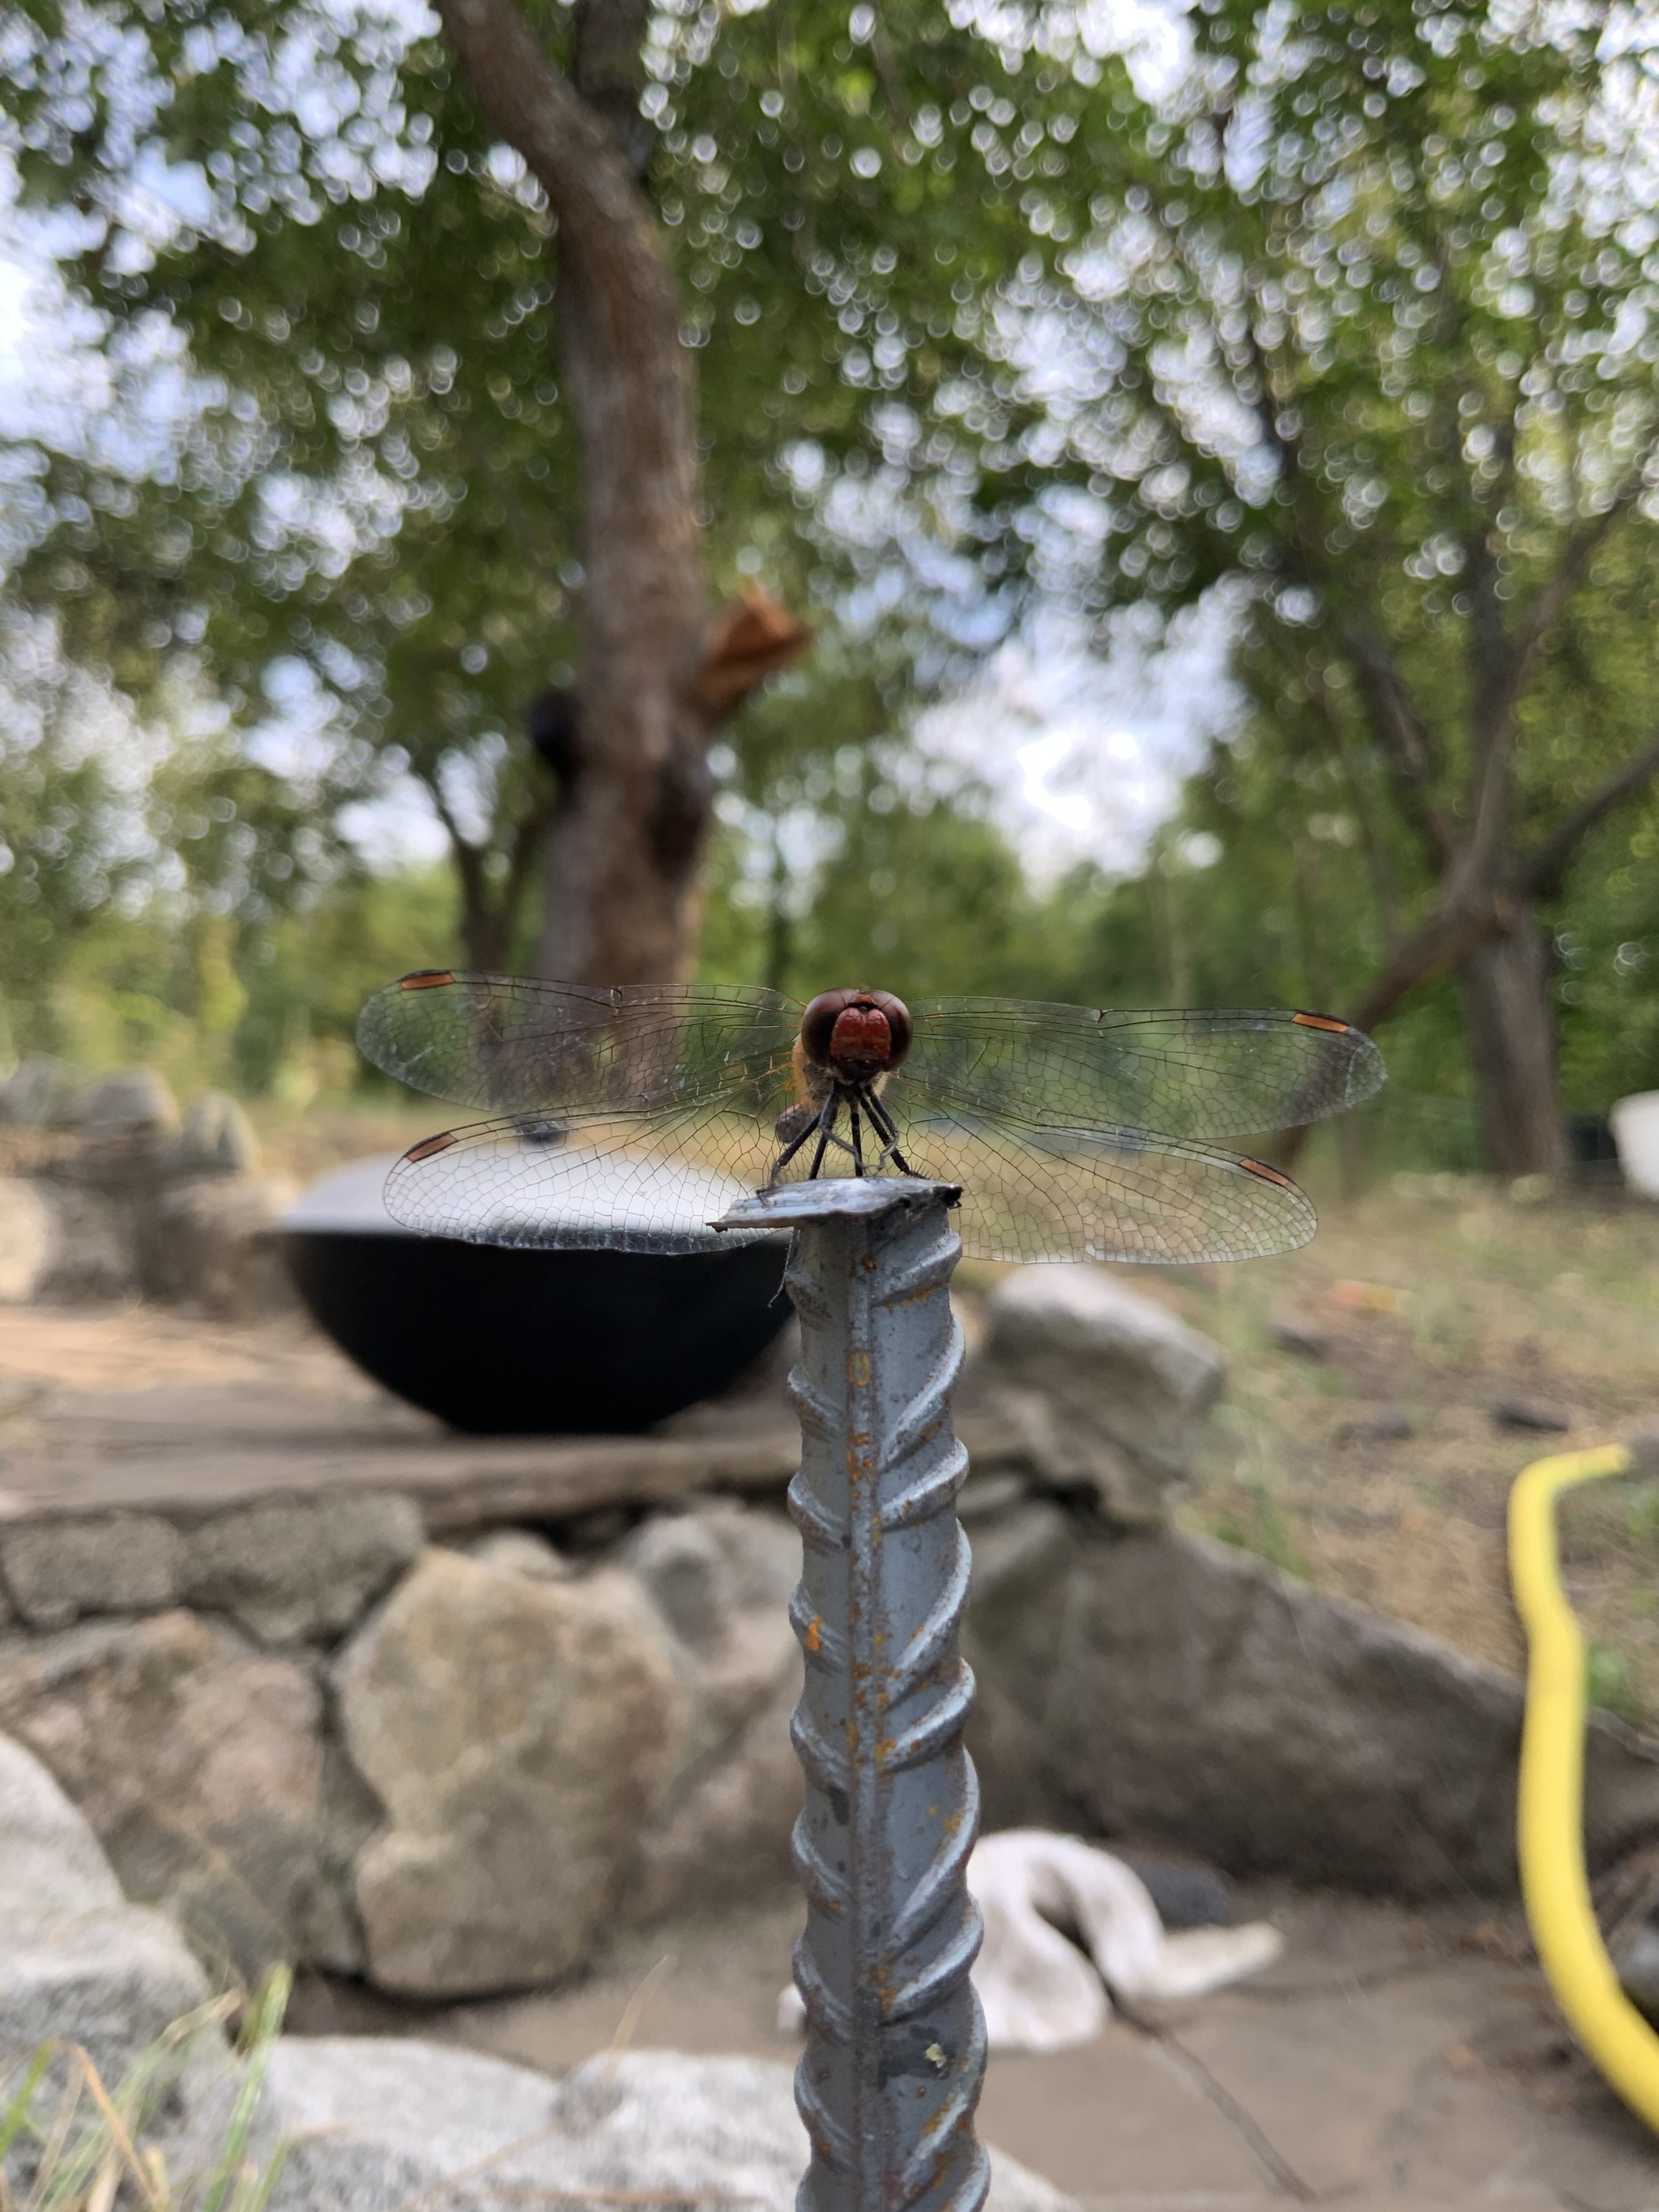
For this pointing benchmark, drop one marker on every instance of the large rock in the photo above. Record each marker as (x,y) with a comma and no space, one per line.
(519,1733)
(721,1578)
(199,1763)
(125,1123)
(59,1241)
(1155,1685)
(76,1961)
(217,1139)
(211,1240)
(134,1102)
(378,2126)
(292,1568)
(40,1093)
(1107,1389)
(29,1240)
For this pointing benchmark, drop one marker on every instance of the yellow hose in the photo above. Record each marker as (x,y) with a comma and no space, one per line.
(1550,1826)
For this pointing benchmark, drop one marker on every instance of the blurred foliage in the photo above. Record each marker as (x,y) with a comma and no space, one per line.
(1353,323)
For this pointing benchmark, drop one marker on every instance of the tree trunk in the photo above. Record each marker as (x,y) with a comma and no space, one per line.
(622,855)
(635,800)
(1505,984)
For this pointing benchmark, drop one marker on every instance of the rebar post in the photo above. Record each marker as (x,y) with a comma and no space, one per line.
(896,2044)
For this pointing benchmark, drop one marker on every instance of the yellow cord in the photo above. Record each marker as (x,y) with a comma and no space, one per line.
(1551,1832)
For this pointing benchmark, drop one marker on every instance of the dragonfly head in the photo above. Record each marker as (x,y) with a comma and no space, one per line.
(856,1035)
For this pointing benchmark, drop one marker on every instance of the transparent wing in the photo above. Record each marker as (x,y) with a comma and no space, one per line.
(653,1182)
(1202,1075)
(1032,1193)
(511,1044)
(627,1182)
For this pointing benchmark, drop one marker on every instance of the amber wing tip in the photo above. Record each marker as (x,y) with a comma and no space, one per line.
(429,1145)
(426,979)
(1267,1175)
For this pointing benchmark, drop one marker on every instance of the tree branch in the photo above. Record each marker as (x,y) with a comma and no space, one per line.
(1452,932)
(469,857)
(1376,850)
(619,306)
(1492,764)
(1399,730)
(568,145)
(1440,943)
(523,853)
(1542,869)
(1554,595)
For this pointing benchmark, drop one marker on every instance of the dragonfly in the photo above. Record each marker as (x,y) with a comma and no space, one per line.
(632,1116)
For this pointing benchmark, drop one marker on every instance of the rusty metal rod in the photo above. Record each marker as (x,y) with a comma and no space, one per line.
(895,2044)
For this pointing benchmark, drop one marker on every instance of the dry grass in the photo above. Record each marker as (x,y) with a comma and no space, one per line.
(70,2143)
(1474,1298)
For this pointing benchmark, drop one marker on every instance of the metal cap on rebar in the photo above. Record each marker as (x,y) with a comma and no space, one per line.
(895,2044)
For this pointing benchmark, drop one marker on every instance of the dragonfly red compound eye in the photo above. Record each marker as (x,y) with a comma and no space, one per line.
(857,1033)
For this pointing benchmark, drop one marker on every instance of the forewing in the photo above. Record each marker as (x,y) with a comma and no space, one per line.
(1202,1075)
(624,1182)
(1049,1193)
(512,1044)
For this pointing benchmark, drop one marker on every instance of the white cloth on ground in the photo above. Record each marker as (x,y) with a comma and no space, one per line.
(1038,1990)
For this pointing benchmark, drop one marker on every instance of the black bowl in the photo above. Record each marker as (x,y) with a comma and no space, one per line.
(500,1341)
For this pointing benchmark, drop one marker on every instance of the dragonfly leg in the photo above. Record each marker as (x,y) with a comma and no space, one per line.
(826,1129)
(790,1150)
(857,1137)
(884,1123)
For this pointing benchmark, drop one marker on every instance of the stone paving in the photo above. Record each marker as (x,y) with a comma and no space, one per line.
(1389,2059)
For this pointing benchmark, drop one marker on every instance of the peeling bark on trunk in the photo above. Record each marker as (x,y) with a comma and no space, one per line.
(1510,1034)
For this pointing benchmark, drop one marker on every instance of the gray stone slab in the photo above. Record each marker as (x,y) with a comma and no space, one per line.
(379,2123)
(75,1960)
(122,1562)
(293,1569)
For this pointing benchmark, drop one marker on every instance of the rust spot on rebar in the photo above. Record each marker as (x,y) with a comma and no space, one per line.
(815,1632)
(858,1370)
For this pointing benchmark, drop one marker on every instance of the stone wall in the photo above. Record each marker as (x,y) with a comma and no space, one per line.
(304,1729)
(305,1732)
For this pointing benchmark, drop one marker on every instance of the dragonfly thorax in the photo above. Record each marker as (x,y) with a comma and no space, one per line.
(855,1034)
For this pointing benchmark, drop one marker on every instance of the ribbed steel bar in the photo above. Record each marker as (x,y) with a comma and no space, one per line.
(895,2044)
